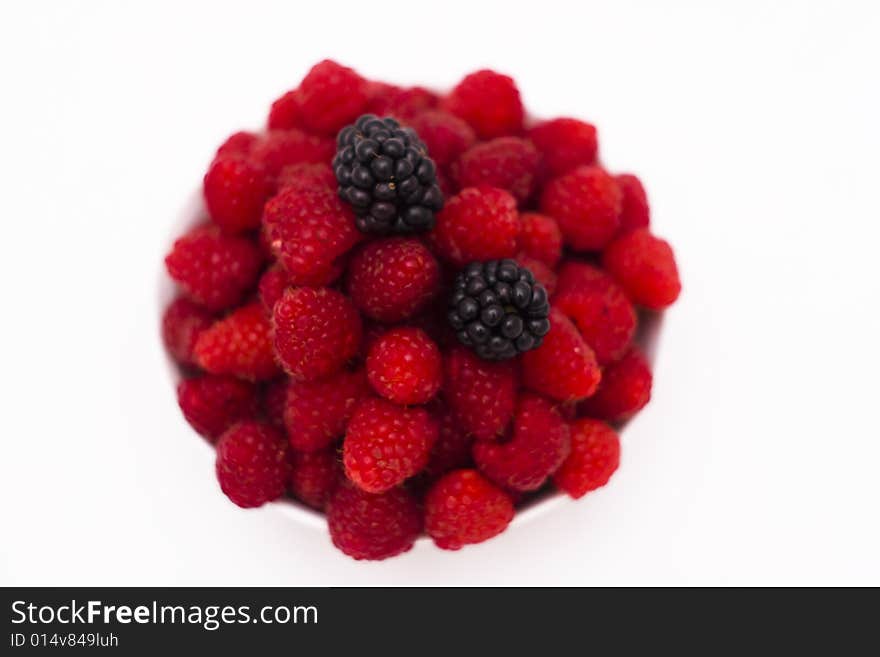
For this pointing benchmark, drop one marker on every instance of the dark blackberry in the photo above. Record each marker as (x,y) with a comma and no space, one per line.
(385,174)
(498,309)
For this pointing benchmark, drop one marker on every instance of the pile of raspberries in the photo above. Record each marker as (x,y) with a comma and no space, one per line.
(413,311)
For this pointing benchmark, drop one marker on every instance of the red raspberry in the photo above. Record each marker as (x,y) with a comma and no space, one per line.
(625,389)
(367,526)
(645,267)
(540,238)
(404,365)
(386,444)
(478,223)
(595,455)
(272,284)
(538,447)
(565,144)
(463,508)
(489,102)
(239,143)
(453,447)
(331,96)
(508,163)
(239,344)
(404,104)
(274,401)
(598,307)
(586,203)
(316,332)
(481,393)
(285,112)
(214,269)
(235,190)
(309,231)
(393,279)
(306,175)
(543,274)
(182,323)
(564,367)
(252,464)
(280,148)
(212,404)
(635,212)
(316,413)
(314,477)
(445,135)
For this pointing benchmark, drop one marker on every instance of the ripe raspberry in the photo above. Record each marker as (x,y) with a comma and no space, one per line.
(586,203)
(240,344)
(478,223)
(542,273)
(563,368)
(330,96)
(625,389)
(182,323)
(252,463)
(281,148)
(452,449)
(309,231)
(314,477)
(367,526)
(489,102)
(402,104)
(463,508)
(239,143)
(481,393)
(386,444)
(540,238)
(306,175)
(405,366)
(235,190)
(316,413)
(272,284)
(212,404)
(508,163)
(565,144)
(538,447)
(635,212)
(445,135)
(316,332)
(285,112)
(393,279)
(599,308)
(645,267)
(595,455)
(214,269)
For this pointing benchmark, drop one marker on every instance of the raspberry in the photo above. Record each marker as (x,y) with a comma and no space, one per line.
(404,365)
(316,332)
(330,96)
(445,135)
(563,368)
(542,273)
(453,446)
(565,144)
(274,401)
(478,223)
(645,267)
(314,477)
(586,203)
(402,104)
(280,148)
(212,404)
(595,455)
(625,389)
(316,413)
(481,393)
(386,444)
(306,175)
(538,447)
(393,279)
(463,508)
(252,464)
(240,344)
(309,231)
(214,269)
(367,526)
(508,163)
(599,308)
(635,212)
(540,238)
(182,323)
(285,112)
(272,284)
(235,190)
(489,102)
(239,143)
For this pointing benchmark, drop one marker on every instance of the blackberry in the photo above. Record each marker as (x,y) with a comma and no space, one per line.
(498,309)
(385,174)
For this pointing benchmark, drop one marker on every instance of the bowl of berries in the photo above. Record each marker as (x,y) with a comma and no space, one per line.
(410,315)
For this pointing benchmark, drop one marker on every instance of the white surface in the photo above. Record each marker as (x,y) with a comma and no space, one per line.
(755,128)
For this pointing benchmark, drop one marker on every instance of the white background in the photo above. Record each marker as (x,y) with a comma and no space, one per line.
(755,127)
